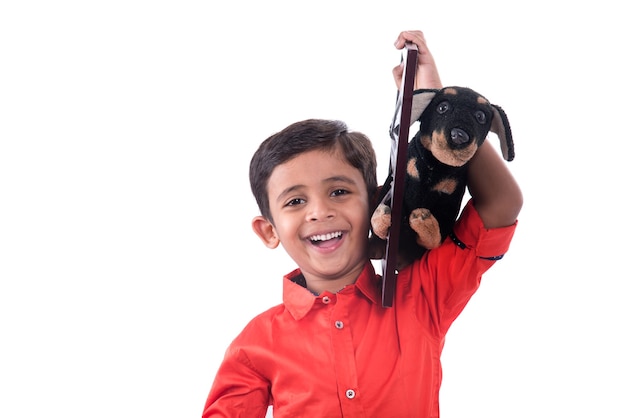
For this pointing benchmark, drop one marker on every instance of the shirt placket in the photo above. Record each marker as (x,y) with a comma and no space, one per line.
(345,364)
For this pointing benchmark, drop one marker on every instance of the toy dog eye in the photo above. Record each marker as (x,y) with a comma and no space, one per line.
(443,107)
(480,117)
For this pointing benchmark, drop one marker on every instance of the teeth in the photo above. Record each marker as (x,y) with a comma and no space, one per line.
(325,237)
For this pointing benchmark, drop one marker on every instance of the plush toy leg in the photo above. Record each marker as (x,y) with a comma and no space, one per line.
(381,221)
(426,227)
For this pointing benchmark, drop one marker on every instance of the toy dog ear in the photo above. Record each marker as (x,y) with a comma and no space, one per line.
(500,126)
(421,100)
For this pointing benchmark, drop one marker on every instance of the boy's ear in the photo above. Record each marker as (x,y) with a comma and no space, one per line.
(265,230)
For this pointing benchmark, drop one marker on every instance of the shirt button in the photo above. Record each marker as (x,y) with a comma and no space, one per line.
(338,324)
(326,299)
(350,394)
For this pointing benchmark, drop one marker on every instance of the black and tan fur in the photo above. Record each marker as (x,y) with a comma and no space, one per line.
(454,122)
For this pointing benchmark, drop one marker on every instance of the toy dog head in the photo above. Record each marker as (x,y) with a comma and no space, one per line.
(454,122)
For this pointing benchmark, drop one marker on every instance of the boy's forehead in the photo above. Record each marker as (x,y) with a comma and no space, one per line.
(316,165)
(321,158)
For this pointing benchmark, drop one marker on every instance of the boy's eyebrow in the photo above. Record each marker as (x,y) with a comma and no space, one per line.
(333,179)
(344,179)
(288,190)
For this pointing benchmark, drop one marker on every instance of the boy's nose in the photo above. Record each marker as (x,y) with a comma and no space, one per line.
(319,210)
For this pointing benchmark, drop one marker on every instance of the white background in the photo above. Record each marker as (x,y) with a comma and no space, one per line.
(127,261)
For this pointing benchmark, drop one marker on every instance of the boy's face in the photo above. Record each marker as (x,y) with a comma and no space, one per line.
(320,208)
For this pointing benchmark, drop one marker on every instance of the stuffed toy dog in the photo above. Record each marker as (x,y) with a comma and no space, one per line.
(454,122)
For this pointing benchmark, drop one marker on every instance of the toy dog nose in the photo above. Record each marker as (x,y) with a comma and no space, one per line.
(459,136)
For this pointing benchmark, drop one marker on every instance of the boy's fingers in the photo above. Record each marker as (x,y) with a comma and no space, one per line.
(414,36)
(397,74)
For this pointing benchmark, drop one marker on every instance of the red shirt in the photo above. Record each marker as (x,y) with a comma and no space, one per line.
(343,354)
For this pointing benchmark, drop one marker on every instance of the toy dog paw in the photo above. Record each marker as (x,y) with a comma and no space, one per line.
(381,221)
(426,227)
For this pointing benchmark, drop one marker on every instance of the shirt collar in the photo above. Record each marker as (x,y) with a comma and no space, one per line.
(298,300)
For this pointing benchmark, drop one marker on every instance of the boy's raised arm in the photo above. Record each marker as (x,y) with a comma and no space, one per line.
(497,196)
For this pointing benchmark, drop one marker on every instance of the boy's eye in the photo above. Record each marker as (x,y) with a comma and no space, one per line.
(339,192)
(294,202)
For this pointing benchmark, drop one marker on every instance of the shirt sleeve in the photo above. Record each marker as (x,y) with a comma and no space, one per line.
(445,278)
(469,231)
(239,391)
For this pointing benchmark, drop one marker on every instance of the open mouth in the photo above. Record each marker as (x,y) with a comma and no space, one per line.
(325,238)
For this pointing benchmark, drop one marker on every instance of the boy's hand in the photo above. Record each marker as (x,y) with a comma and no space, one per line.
(427,76)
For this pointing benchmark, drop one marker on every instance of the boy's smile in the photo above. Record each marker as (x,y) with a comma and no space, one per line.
(320,208)
(326,240)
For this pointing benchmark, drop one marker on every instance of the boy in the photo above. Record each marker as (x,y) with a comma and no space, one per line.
(331,349)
